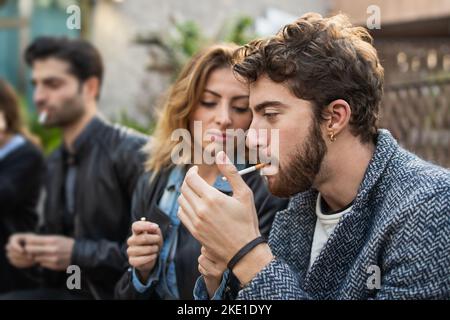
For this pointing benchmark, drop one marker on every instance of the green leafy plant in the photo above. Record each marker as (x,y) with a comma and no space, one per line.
(241,31)
(185,39)
(127,121)
(50,138)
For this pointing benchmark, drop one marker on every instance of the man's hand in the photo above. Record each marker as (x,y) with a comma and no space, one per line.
(143,247)
(220,223)
(52,252)
(16,253)
(211,271)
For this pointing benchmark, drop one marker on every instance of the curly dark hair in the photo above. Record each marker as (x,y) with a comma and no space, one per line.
(321,60)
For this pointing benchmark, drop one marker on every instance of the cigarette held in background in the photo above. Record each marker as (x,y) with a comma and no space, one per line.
(250,169)
(43,117)
(144,219)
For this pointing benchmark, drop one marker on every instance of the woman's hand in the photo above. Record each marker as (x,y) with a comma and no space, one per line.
(211,271)
(143,247)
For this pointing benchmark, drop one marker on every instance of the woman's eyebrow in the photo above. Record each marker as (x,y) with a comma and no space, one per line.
(213,93)
(240,97)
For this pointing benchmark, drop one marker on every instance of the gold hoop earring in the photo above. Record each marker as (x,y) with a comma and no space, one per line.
(332,136)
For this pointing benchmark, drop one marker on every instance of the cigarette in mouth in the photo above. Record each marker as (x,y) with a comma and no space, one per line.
(43,117)
(249,169)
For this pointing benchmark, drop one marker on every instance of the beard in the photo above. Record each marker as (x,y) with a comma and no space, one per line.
(67,113)
(302,165)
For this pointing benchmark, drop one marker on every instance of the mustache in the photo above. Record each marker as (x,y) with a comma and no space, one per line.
(42,105)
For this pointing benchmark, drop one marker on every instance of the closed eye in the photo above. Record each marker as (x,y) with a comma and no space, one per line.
(208,104)
(270,115)
(241,109)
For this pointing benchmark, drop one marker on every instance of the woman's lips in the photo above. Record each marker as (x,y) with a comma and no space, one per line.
(219,137)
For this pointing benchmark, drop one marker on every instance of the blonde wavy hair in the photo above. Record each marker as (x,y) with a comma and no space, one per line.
(182,98)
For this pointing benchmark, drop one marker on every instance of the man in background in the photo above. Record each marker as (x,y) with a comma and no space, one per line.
(90,178)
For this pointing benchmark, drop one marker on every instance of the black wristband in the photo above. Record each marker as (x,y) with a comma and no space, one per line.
(245,249)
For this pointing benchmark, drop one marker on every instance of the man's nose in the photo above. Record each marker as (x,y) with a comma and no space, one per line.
(39,96)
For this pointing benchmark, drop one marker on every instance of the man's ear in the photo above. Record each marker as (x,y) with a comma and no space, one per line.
(337,115)
(91,87)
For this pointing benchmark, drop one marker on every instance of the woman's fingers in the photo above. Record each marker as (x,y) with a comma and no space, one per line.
(144,239)
(139,227)
(202,270)
(138,251)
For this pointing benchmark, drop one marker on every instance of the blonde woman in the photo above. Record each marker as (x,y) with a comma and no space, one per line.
(161,252)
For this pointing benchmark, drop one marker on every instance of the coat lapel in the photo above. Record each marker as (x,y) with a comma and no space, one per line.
(291,238)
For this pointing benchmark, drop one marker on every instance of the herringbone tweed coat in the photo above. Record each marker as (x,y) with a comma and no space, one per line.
(400,223)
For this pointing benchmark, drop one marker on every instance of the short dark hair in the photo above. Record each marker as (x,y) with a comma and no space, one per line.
(322,60)
(84,59)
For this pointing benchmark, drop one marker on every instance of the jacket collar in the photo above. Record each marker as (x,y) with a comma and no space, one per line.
(88,134)
(83,141)
(385,148)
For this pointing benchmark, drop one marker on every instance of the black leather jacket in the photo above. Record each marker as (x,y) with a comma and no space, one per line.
(109,161)
(145,204)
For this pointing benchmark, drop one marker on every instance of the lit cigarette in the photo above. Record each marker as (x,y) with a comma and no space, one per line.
(249,169)
(43,117)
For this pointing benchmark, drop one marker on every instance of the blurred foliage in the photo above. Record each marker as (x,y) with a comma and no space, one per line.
(127,121)
(188,38)
(185,39)
(240,31)
(50,137)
